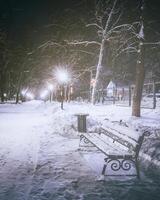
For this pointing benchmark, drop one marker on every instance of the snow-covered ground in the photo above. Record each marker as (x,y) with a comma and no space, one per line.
(40,156)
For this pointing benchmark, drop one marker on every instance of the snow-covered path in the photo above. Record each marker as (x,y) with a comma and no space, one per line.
(20,144)
(31,157)
(39,158)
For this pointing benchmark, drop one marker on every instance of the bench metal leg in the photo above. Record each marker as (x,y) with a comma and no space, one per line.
(137,168)
(84,142)
(123,164)
(104,169)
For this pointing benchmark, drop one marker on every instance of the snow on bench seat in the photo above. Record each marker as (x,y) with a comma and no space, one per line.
(105,144)
(118,138)
(126,133)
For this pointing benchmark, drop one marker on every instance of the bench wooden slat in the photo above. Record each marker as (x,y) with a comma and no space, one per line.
(123,132)
(115,136)
(119,143)
(106,146)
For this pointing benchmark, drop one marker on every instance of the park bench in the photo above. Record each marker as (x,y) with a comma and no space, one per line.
(121,149)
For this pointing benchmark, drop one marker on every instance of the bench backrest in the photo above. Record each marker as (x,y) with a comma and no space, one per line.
(116,138)
(130,143)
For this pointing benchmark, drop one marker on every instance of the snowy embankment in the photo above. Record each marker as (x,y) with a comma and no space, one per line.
(65,123)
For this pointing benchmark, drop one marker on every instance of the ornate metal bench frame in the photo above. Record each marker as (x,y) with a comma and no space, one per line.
(118,162)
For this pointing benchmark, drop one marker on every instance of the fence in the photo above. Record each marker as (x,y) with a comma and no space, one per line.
(122,96)
(151,95)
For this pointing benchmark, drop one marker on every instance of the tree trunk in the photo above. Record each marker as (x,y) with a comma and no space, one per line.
(140,70)
(98,73)
(140,75)
(2,85)
(2,93)
(19,87)
(101,53)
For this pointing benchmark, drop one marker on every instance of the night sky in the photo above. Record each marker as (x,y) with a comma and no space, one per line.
(27,22)
(21,17)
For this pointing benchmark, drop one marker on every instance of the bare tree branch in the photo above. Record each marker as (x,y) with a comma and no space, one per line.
(49,43)
(129,49)
(126,26)
(116,22)
(94,24)
(86,43)
(151,43)
(109,18)
(126,42)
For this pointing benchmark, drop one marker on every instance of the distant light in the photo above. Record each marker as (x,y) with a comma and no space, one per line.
(29,95)
(44,94)
(23,92)
(62,76)
(50,87)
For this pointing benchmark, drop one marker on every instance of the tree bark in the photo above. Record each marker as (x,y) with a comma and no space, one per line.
(19,87)
(98,73)
(2,85)
(140,70)
(140,75)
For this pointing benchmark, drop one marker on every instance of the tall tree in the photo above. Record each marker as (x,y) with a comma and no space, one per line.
(3,63)
(140,70)
(110,29)
(101,52)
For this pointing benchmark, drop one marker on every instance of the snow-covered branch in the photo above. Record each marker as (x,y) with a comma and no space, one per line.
(114,29)
(151,43)
(126,42)
(50,43)
(128,49)
(109,18)
(86,43)
(96,25)
(116,22)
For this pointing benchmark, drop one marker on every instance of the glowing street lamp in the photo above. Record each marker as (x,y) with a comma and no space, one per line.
(62,76)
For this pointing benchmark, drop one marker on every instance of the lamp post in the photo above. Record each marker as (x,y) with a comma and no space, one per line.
(62,95)
(50,88)
(63,78)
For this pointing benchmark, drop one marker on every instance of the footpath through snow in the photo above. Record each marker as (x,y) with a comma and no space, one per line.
(40,160)
(34,158)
